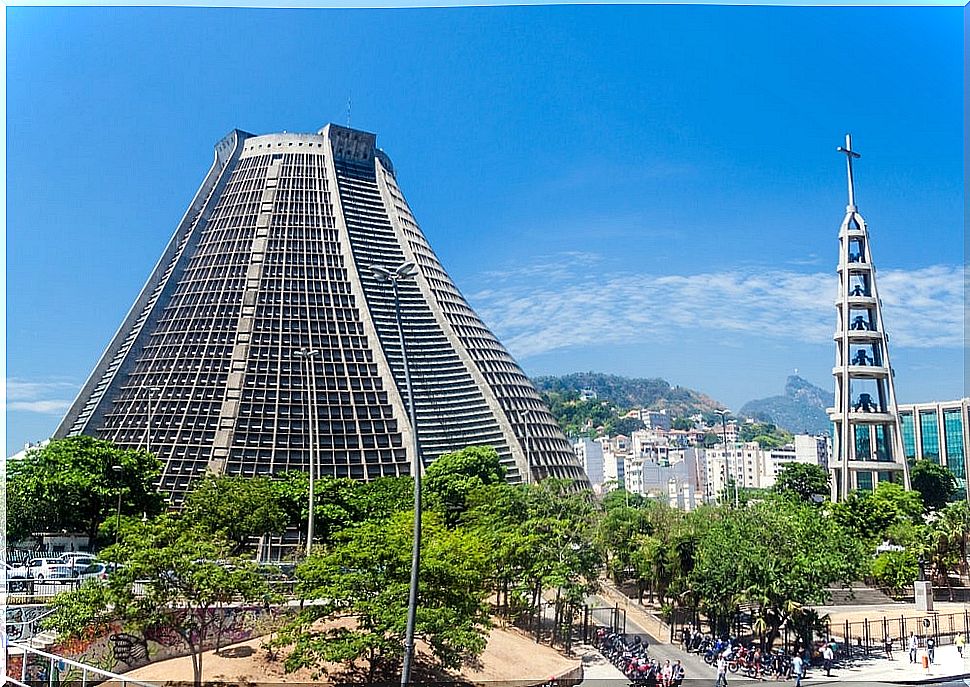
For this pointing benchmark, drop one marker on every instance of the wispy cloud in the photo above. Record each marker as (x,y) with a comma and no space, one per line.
(567,301)
(49,397)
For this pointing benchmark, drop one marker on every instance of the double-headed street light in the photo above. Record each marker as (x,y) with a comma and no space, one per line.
(307,355)
(403,272)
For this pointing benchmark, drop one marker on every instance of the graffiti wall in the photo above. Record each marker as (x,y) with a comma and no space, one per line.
(117,649)
(22,621)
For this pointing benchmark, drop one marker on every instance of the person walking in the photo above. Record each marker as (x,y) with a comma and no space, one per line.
(913,646)
(888,643)
(960,642)
(677,674)
(798,669)
(721,671)
(931,648)
(827,657)
(667,674)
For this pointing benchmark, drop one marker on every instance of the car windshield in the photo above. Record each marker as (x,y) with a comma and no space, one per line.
(93,568)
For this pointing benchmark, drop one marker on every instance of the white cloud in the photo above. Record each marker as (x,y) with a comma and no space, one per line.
(46,407)
(571,302)
(46,397)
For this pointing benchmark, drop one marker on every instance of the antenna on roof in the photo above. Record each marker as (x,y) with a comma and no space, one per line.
(348,111)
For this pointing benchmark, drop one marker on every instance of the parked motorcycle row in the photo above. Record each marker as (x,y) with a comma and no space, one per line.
(749,660)
(631,658)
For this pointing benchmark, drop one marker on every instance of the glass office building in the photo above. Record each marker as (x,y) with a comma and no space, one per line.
(939,432)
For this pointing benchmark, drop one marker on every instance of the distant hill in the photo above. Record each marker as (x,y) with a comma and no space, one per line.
(800,410)
(656,394)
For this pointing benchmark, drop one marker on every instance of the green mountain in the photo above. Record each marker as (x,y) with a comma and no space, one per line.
(624,392)
(800,410)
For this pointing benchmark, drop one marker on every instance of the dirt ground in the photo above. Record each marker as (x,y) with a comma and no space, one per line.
(509,656)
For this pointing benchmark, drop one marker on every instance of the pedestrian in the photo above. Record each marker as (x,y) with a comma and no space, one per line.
(798,669)
(913,646)
(931,648)
(960,641)
(827,657)
(686,636)
(677,674)
(888,643)
(667,674)
(721,671)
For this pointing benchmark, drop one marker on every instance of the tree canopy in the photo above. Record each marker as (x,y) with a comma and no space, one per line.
(803,480)
(70,484)
(172,576)
(934,482)
(365,576)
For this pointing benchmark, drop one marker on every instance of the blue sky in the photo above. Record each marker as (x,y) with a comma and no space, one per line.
(644,190)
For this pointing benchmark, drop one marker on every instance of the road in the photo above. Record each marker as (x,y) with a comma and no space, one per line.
(694,666)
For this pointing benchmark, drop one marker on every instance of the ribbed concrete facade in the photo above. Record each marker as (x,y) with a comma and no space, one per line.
(272,258)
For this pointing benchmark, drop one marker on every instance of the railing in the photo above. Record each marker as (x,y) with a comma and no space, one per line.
(26,627)
(39,668)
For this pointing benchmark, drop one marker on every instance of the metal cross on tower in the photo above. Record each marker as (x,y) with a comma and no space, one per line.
(849,154)
(868,443)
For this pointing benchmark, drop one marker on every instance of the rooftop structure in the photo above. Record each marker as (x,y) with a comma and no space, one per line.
(264,322)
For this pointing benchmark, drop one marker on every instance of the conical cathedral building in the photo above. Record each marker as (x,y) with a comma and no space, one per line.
(263,328)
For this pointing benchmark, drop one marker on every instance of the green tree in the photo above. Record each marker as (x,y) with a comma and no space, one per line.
(766,434)
(176,578)
(934,482)
(783,554)
(380,499)
(624,425)
(682,423)
(803,481)
(70,484)
(236,508)
(895,570)
(871,516)
(452,476)
(365,576)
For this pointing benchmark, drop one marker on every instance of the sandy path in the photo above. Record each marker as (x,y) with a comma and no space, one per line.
(510,655)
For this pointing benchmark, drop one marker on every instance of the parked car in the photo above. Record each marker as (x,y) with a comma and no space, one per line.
(96,570)
(77,561)
(45,569)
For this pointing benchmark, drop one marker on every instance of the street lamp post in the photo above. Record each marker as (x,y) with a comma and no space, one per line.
(119,472)
(148,425)
(307,355)
(524,417)
(723,414)
(406,271)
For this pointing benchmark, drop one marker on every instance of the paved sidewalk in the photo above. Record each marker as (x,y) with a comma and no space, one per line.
(597,670)
(947,664)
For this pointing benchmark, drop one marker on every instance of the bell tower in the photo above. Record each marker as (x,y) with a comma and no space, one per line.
(868,444)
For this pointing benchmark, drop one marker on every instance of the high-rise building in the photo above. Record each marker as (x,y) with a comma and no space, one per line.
(263,322)
(867,448)
(940,432)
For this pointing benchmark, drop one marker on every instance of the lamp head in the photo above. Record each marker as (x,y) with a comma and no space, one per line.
(382,273)
(407,269)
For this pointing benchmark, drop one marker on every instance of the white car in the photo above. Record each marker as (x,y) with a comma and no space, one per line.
(78,561)
(46,569)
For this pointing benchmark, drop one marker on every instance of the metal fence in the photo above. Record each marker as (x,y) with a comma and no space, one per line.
(869,635)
